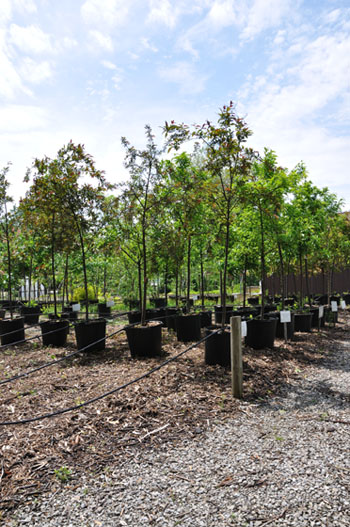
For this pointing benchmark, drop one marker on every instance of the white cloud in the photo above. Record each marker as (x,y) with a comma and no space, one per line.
(35,72)
(10,80)
(5,11)
(109,65)
(185,75)
(146,44)
(25,6)
(30,39)
(105,13)
(162,12)
(264,14)
(103,41)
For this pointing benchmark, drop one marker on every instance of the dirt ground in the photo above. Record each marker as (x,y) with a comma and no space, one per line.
(180,400)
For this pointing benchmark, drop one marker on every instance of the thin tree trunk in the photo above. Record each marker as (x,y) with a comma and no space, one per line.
(224,281)
(188,306)
(301,277)
(30,277)
(139,279)
(9,264)
(307,280)
(53,264)
(202,278)
(166,282)
(245,281)
(283,281)
(262,258)
(177,286)
(144,298)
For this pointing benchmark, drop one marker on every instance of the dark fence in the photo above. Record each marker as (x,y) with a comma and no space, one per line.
(340,282)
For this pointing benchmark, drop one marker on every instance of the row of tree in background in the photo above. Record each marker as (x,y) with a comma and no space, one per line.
(198,220)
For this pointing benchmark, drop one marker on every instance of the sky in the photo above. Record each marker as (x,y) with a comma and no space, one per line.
(92,71)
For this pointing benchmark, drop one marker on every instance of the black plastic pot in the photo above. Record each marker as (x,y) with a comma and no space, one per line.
(2,313)
(280,326)
(103,310)
(59,337)
(205,318)
(8,326)
(89,332)
(188,328)
(30,314)
(253,300)
(289,301)
(158,302)
(218,314)
(217,347)
(134,317)
(145,341)
(302,322)
(335,298)
(170,315)
(134,304)
(314,321)
(69,315)
(261,333)
(346,298)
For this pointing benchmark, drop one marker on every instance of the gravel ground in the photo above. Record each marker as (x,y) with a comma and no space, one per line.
(284,462)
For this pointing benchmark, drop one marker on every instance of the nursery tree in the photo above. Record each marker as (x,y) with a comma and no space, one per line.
(5,222)
(79,199)
(228,162)
(141,198)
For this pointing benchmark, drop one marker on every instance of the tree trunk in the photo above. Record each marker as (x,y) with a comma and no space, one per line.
(188,306)
(166,283)
(245,281)
(53,263)
(283,281)
(307,280)
(139,281)
(301,278)
(177,286)
(202,278)
(262,258)
(9,263)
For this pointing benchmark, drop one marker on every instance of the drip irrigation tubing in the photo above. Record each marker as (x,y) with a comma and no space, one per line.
(110,392)
(56,361)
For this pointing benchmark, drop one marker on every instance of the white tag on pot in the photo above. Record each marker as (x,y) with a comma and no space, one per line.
(110,303)
(342,304)
(320,312)
(244,328)
(76,307)
(285,316)
(334,306)
(194,297)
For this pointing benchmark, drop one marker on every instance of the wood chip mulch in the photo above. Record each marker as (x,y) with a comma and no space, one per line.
(179,401)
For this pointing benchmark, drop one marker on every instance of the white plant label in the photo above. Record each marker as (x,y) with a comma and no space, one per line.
(195,297)
(342,304)
(320,312)
(285,316)
(110,303)
(334,306)
(76,307)
(244,328)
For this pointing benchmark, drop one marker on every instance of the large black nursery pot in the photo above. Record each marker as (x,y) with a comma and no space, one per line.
(314,321)
(16,329)
(253,300)
(188,328)
(30,314)
(280,326)
(2,313)
(158,302)
(205,318)
(88,333)
(218,314)
(134,317)
(346,298)
(170,316)
(303,322)
(54,332)
(103,310)
(217,347)
(69,315)
(145,341)
(335,298)
(261,333)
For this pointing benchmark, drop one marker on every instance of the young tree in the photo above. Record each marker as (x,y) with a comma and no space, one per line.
(228,162)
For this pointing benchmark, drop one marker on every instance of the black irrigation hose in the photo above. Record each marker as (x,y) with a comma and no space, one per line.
(111,392)
(51,363)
